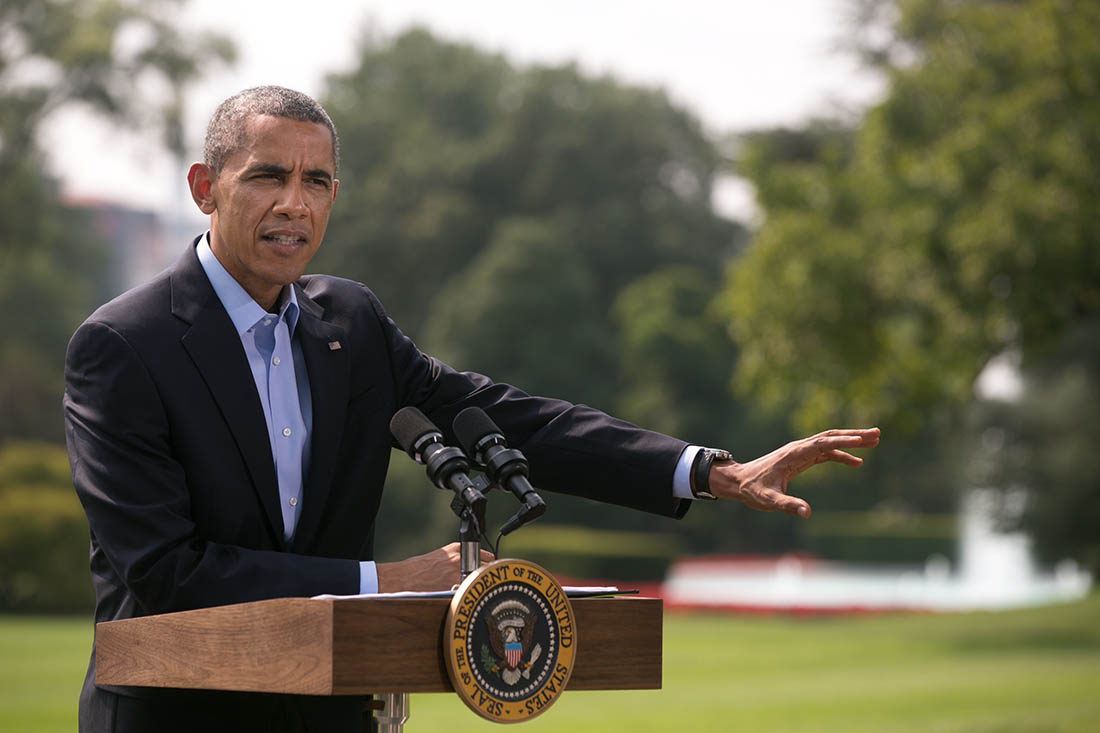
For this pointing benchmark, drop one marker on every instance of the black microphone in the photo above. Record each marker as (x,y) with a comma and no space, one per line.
(447,466)
(483,441)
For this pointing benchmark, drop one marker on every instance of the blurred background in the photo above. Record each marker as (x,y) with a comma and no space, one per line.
(736,223)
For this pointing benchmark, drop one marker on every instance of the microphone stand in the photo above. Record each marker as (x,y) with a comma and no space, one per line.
(471,524)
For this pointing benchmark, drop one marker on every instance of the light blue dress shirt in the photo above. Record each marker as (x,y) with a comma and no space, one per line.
(282,382)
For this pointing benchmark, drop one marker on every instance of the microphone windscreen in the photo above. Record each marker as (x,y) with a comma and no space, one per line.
(471,425)
(408,425)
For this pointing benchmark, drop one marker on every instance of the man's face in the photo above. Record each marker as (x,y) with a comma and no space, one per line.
(270,203)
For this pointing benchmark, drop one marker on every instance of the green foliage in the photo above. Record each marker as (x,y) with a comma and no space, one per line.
(525,297)
(91,53)
(514,221)
(97,53)
(43,533)
(890,538)
(447,144)
(956,222)
(48,267)
(675,355)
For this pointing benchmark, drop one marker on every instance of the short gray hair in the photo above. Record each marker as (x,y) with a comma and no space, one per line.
(226,131)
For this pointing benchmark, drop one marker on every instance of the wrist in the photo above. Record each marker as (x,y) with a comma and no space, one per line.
(705,460)
(383,577)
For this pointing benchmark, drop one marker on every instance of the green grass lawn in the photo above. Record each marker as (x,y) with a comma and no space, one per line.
(42,663)
(1036,670)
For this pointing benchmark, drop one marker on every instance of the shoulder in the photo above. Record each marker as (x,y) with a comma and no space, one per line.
(342,299)
(142,308)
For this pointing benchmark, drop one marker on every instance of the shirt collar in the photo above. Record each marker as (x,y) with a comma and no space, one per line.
(242,309)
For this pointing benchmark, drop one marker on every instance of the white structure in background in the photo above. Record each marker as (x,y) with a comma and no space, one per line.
(996,572)
(996,569)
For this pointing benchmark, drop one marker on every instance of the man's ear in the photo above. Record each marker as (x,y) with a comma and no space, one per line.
(201,182)
(335,187)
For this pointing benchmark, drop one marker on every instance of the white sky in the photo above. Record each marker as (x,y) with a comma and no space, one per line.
(736,64)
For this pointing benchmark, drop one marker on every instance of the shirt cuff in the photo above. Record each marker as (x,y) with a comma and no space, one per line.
(368,577)
(681,477)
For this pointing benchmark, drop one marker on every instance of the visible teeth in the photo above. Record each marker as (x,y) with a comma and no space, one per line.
(284,240)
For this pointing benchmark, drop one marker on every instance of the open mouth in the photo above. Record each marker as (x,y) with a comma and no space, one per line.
(285,239)
(289,241)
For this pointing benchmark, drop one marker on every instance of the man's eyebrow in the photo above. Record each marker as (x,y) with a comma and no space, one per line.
(268,168)
(281,171)
(319,173)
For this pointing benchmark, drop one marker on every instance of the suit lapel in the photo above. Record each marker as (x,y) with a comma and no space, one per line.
(215,348)
(328,383)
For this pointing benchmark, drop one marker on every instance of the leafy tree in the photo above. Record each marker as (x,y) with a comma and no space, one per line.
(500,316)
(47,286)
(955,222)
(54,54)
(501,213)
(445,143)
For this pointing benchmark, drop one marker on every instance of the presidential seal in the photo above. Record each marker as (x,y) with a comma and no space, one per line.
(510,641)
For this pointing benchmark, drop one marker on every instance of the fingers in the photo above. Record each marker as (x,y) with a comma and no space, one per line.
(792,505)
(830,445)
(841,457)
(865,437)
(435,570)
(770,500)
(832,442)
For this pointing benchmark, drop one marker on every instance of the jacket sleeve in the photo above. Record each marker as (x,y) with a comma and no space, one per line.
(572,448)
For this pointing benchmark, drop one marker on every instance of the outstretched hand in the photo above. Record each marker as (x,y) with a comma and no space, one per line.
(762,483)
(435,570)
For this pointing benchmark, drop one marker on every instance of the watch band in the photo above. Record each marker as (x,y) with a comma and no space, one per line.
(700,471)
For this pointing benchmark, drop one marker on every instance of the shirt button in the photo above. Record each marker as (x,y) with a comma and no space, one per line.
(275,360)
(267,321)
(294,501)
(286,432)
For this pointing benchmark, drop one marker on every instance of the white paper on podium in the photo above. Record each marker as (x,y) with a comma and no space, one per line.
(573,591)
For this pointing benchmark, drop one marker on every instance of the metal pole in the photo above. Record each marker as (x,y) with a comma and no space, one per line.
(394,713)
(469,558)
(469,544)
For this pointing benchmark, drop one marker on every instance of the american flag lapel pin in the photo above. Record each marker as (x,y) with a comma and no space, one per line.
(333,345)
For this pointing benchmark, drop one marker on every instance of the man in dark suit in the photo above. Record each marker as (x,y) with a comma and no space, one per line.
(227,424)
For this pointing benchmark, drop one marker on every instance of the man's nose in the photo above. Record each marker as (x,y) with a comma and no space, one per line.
(292,201)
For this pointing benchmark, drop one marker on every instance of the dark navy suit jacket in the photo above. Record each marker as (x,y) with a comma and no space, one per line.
(172,463)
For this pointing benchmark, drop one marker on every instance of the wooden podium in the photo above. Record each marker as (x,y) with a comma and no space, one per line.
(351,646)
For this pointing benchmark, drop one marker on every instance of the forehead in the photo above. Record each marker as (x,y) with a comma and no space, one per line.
(289,143)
